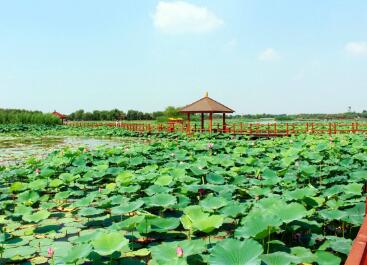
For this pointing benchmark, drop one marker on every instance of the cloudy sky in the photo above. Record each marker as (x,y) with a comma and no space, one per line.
(255,56)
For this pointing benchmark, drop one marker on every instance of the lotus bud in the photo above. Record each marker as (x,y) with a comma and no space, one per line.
(210,145)
(173,154)
(179,252)
(85,150)
(99,190)
(201,191)
(37,171)
(50,252)
(291,141)
(331,139)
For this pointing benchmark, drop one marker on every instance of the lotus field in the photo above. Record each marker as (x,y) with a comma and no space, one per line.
(295,200)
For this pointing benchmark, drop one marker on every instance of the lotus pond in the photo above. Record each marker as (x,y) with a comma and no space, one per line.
(224,202)
(18,149)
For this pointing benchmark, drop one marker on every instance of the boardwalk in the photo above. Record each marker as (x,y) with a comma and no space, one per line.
(249,129)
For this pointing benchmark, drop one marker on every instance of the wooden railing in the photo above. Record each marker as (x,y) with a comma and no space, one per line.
(255,129)
(358,252)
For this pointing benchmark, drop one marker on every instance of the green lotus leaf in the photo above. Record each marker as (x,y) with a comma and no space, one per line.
(60,249)
(305,255)
(214,179)
(339,244)
(355,214)
(90,211)
(212,203)
(233,209)
(132,222)
(166,253)
(235,252)
(332,214)
(28,197)
(125,178)
(164,180)
(127,207)
(291,212)
(258,225)
(22,210)
(77,253)
(107,243)
(162,200)
(55,183)
(326,258)
(37,216)
(86,236)
(280,258)
(143,252)
(62,195)
(158,224)
(353,188)
(19,253)
(68,177)
(38,184)
(203,221)
(18,186)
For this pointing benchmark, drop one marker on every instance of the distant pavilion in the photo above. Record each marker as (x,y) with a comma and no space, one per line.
(59,115)
(206,105)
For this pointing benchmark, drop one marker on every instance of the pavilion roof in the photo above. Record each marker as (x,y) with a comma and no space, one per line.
(59,115)
(207,105)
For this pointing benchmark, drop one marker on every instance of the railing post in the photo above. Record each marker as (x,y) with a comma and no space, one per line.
(287,129)
(329,128)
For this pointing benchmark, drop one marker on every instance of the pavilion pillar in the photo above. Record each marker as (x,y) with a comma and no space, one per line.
(188,123)
(202,121)
(224,122)
(210,121)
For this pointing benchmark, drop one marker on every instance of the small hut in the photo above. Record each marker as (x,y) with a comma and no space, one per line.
(62,117)
(206,105)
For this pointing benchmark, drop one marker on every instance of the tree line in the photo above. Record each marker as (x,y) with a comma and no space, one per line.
(130,115)
(17,116)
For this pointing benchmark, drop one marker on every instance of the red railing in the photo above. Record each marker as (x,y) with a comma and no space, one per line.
(358,252)
(255,129)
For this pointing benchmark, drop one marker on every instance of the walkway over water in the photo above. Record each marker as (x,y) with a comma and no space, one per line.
(250,129)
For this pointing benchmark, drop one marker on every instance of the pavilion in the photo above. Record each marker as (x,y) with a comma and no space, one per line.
(59,115)
(206,105)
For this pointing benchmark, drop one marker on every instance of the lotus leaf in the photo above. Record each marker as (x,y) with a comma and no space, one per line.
(235,252)
(107,243)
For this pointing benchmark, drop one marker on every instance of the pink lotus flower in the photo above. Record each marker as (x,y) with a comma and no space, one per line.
(85,150)
(210,145)
(50,252)
(331,139)
(37,171)
(179,252)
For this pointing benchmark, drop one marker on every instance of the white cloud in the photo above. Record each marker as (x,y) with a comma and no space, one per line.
(183,17)
(357,48)
(268,54)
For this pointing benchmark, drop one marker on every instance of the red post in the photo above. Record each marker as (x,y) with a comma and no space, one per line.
(210,122)
(275,129)
(188,123)
(286,128)
(202,121)
(224,122)
(329,128)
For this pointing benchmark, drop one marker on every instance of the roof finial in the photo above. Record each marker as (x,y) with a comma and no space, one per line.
(206,94)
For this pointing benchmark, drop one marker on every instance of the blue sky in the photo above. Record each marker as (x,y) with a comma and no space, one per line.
(255,56)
